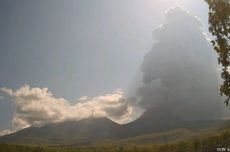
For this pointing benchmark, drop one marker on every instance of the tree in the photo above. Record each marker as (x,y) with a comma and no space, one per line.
(219,26)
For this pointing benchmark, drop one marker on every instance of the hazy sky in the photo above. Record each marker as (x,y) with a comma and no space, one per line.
(78,47)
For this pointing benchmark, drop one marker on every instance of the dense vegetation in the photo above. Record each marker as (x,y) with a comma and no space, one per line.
(207,144)
(219,26)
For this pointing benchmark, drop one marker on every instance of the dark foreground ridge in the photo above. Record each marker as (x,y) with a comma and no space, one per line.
(90,130)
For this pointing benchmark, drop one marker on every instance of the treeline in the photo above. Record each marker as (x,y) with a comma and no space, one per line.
(25,148)
(208,144)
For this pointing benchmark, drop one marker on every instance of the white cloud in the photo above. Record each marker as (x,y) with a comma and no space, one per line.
(5,132)
(38,106)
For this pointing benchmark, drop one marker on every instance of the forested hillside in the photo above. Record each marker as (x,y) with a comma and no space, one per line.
(207,144)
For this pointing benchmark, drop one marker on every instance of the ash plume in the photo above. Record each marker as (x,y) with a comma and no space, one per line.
(179,73)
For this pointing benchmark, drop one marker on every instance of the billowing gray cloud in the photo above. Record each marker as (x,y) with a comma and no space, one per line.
(179,76)
(179,73)
(37,107)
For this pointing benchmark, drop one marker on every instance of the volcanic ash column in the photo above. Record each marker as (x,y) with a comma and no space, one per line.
(179,73)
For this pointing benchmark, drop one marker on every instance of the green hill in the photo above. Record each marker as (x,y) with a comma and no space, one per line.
(205,144)
(152,127)
(155,138)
